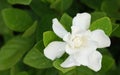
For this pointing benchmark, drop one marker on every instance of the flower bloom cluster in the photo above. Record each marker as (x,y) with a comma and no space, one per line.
(80,44)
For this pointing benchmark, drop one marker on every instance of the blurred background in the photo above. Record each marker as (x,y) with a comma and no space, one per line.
(16,16)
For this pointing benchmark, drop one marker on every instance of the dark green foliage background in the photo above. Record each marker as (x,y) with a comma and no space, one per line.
(26,29)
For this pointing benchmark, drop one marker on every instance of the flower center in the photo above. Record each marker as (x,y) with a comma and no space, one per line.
(77,42)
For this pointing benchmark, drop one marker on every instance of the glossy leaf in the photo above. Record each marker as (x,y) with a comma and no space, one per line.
(66,21)
(4,4)
(31,30)
(13,51)
(97,15)
(50,1)
(36,59)
(80,70)
(107,63)
(111,7)
(102,23)
(61,5)
(25,2)
(95,4)
(116,32)
(45,24)
(84,71)
(51,71)
(41,8)
(5,72)
(7,33)
(49,36)
(16,19)
(57,63)
(22,73)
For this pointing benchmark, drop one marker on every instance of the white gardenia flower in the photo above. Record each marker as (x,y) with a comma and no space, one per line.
(80,44)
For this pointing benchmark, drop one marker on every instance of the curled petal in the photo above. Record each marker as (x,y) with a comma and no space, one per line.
(101,38)
(54,50)
(81,22)
(95,60)
(58,28)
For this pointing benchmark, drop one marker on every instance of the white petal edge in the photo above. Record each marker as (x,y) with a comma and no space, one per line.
(101,38)
(82,57)
(54,50)
(81,22)
(69,62)
(95,60)
(77,59)
(58,28)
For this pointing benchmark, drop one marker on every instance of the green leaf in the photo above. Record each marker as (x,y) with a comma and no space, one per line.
(50,1)
(31,30)
(80,70)
(51,71)
(115,27)
(66,21)
(111,7)
(61,5)
(14,69)
(13,51)
(4,4)
(41,8)
(116,32)
(5,72)
(16,19)
(48,37)
(45,24)
(22,73)
(6,32)
(25,2)
(104,51)
(17,68)
(57,63)
(107,63)
(97,15)
(84,71)
(118,69)
(36,59)
(95,4)
(3,28)
(102,23)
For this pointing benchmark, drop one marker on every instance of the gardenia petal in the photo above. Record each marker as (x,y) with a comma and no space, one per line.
(81,22)
(54,50)
(95,60)
(77,59)
(101,38)
(82,57)
(69,62)
(58,28)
